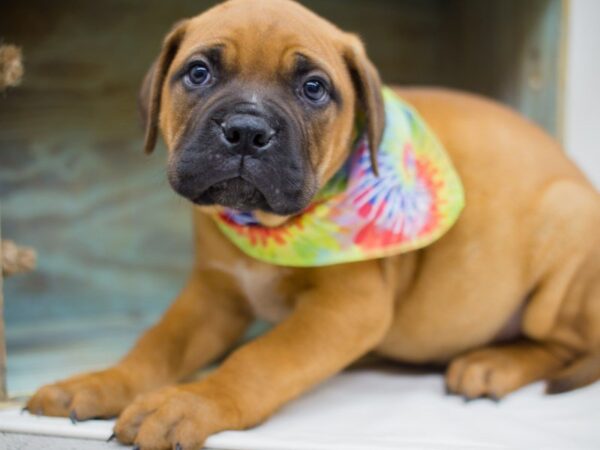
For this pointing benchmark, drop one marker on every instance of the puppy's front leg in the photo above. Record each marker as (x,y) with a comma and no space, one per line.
(203,322)
(345,315)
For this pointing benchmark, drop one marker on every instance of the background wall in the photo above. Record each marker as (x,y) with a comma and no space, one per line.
(582,108)
(113,240)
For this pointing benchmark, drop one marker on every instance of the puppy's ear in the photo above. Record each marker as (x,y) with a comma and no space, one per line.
(368,90)
(149,99)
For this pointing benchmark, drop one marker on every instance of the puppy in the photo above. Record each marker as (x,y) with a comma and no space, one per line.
(259,102)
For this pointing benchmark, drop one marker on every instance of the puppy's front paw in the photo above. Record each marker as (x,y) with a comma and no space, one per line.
(98,394)
(171,418)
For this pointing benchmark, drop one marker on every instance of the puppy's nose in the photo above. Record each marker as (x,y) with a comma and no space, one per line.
(247,134)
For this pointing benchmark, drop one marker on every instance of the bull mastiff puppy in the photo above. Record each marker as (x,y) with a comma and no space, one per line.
(260,103)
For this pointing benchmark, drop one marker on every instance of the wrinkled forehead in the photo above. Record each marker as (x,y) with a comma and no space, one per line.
(258,44)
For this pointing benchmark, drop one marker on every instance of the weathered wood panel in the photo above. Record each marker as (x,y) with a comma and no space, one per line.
(510,50)
(113,241)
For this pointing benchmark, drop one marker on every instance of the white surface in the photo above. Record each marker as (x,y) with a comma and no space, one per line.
(390,409)
(12,441)
(582,106)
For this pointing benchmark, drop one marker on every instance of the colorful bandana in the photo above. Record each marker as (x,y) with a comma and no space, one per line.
(358,215)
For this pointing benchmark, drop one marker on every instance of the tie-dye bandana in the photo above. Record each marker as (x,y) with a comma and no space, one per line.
(358,215)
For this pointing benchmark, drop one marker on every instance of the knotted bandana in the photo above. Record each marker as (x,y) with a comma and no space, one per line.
(358,215)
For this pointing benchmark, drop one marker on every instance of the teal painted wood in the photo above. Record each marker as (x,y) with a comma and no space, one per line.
(3,368)
(113,241)
(41,353)
(542,74)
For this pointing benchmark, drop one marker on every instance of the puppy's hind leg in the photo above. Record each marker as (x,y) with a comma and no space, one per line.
(560,319)
(567,307)
(584,326)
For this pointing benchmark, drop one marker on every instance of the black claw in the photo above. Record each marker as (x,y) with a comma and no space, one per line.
(178,446)
(472,399)
(73,417)
(24,410)
(494,398)
(137,447)
(111,437)
(447,390)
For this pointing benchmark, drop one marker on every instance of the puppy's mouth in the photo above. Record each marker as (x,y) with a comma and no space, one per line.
(243,183)
(236,193)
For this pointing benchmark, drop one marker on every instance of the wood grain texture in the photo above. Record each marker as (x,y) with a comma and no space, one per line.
(114,243)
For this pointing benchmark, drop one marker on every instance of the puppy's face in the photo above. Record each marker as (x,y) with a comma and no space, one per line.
(256,101)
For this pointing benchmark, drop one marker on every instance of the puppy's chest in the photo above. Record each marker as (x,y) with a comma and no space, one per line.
(262,288)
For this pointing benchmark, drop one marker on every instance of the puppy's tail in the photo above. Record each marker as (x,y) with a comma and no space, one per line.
(582,372)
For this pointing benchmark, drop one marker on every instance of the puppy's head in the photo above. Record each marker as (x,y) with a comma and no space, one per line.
(256,101)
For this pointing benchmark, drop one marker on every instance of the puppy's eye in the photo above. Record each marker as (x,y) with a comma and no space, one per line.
(198,75)
(315,91)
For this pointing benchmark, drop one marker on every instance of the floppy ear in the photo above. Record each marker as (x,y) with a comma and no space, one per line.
(368,91)
(150,94)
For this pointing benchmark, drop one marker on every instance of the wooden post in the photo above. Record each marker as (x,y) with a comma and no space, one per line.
(3,391)
(11,72)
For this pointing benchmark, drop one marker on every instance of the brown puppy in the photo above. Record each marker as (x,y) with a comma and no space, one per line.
(521,265)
